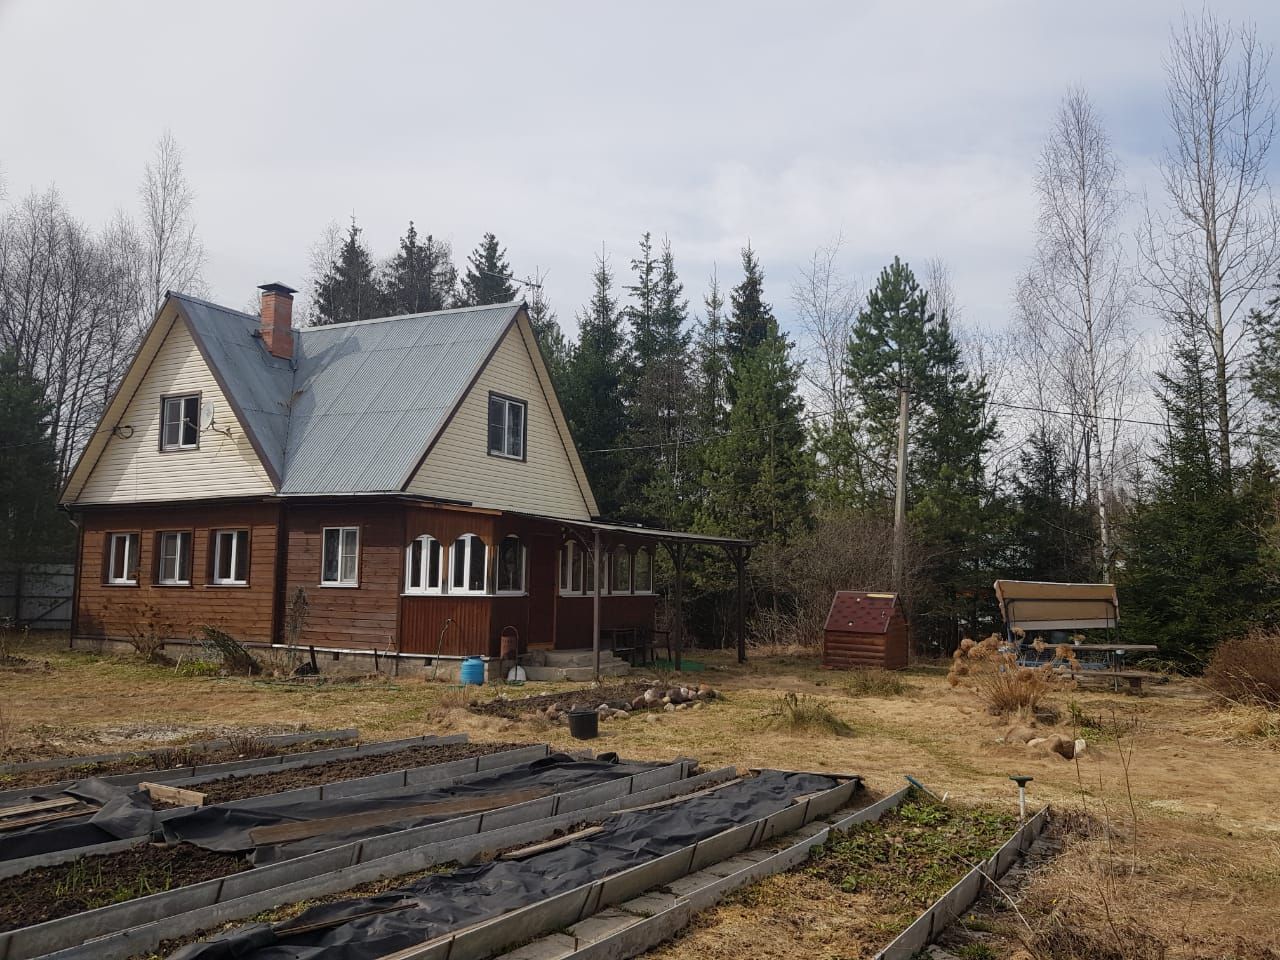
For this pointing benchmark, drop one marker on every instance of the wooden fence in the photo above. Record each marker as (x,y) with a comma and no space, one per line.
(37,595)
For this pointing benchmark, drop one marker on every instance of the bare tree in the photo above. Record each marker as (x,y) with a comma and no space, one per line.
(1077,292)
(323,253)
(175,255)
(826,304)
(1216,245)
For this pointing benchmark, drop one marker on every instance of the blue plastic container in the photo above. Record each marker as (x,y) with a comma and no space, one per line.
(472,671)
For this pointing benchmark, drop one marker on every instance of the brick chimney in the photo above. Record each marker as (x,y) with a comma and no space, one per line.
(277,319)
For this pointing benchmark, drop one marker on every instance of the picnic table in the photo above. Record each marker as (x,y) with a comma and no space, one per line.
(1109,668)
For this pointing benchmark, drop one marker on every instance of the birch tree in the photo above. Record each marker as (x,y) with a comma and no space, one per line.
(174,254)
(1077,291)
(1216,243)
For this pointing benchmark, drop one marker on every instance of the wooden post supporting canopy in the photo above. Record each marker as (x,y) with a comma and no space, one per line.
(595,604)
(678,557)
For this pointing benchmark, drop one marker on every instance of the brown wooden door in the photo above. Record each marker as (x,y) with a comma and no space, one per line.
(542,572)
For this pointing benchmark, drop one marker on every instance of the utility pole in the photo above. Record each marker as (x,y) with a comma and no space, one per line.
(900,495)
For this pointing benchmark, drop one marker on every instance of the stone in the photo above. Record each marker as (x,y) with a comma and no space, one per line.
(1016,734)
(621,715)
(669,708)
(683,706)
(639,703)
(704,689)
(652,718)
(1080,748)
(699,705)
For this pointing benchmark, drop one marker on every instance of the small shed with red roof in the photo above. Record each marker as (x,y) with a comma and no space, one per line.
(865,630)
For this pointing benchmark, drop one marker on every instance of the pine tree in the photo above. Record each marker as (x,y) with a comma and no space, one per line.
(349,290)
(488,275)
(593,399)
(1192,572)
(420,277)
(30,528)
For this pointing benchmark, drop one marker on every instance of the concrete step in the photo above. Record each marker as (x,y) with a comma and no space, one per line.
(608,668)
(571,658)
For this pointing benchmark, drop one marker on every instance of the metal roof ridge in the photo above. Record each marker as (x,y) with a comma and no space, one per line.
(413,316)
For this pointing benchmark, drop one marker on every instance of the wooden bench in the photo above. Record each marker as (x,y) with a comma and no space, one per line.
(1113,677)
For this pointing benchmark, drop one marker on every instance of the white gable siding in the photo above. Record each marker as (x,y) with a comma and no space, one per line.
(460,468)
(132,469)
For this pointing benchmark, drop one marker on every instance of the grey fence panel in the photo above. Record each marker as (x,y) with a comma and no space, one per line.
(38,595)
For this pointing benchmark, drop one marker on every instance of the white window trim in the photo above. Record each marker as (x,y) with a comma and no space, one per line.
(130,560)
(233,533)
(181,401)
(524,568)
(339,583)
(425,591)
(575,547)
(508,402)
(631,571)
(184,550)
(469,539)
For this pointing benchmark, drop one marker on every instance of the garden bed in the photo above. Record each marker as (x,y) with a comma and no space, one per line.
(238,788)
(592,696)
(857,892)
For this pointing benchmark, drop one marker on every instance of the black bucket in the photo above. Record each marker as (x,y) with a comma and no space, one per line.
(584,724)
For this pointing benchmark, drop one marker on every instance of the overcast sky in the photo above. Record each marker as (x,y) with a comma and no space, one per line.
(911,128)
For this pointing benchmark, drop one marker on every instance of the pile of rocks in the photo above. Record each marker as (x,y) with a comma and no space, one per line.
(655,698)
(1055,743)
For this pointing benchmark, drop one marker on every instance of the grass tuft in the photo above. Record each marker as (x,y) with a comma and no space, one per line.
(875,683)
(806,715)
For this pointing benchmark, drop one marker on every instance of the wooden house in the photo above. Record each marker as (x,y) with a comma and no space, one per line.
(865,630)
(414,476)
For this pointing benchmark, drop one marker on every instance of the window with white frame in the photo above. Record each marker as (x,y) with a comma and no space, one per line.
(180,423)
(642,571)
(231,557)
(507,426)
(425,566)
(122,558)
(174,558)
(577,573)
(620,581)
(469,565)
(340,560)
(511,565)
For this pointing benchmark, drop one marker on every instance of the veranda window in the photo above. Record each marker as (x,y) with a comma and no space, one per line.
(340,563)
(511,565)
(577,574)
(469,565)
(425,566)
(621,579)
(642,573)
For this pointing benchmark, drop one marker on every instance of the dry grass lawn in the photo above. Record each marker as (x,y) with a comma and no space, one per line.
(1199,877)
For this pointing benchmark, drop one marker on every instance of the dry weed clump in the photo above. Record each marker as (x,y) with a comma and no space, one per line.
(871,682)
(991,669)
(803,714)
(1246,670)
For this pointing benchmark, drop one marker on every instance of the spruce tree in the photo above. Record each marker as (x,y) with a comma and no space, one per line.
(349,290)
(757,473)
(1192,572)
(1053,535)
(488,275)
(711,363)
(420,277)
(593,396)
(551,339)
(30,528)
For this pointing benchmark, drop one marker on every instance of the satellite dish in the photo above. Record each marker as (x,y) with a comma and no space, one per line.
(206,414)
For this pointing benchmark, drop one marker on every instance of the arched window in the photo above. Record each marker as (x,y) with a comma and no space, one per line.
(511,565)
(643,572)
(424,566)
(469,566)
(621,581)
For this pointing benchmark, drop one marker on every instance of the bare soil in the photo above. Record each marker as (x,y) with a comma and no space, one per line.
(178,757)
(515,709)
(47,893)
(238,788)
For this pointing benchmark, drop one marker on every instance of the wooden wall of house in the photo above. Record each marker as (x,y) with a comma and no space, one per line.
(108,611)
(364,617)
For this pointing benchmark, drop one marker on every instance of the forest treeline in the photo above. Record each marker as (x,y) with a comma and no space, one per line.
(1061,449)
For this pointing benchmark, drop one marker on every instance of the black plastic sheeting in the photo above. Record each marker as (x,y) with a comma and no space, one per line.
(372,927)
(226,829)
(125,813)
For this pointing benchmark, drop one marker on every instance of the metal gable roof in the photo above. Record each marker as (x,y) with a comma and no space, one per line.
(370,396)
(360,402)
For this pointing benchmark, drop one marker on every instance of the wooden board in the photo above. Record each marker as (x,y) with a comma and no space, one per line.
(36,819)
(288,832)
(37,806)
(546,845)
(177,795)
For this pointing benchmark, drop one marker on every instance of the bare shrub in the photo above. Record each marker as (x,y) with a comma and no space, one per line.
(235,658)
(1246,670)
(871,682)
(806,715)
(991,670)
(147,631)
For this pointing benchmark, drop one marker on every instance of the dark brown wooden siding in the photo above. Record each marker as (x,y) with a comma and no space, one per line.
(846,650)
(574,617)
(110,612)
(352,618)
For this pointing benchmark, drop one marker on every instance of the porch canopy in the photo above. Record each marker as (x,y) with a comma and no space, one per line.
(1039,605)
(601,537)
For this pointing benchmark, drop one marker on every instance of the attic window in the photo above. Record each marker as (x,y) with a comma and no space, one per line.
(506,427)
(180,422)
